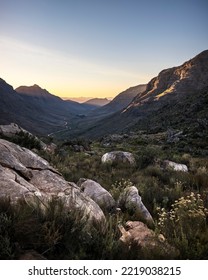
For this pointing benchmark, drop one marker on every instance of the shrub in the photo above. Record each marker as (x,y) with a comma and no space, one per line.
(185,226)
(26,140)
(118,187)
(147,156)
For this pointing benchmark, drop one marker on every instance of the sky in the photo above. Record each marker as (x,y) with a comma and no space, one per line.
(97,48)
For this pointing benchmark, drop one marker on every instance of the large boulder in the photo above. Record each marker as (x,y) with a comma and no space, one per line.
(167,164)
(97,193)
(131,201)
(138,237)
(118,157)
(25,175)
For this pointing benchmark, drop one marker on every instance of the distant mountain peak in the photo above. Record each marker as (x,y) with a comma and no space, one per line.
(97,101)
(34,91)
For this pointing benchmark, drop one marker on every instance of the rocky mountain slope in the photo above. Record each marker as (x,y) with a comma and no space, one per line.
(177,97)
(121,101)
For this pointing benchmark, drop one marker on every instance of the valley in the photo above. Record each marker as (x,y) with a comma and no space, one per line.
(123,180)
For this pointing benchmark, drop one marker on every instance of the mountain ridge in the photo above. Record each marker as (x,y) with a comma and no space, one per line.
(177,87)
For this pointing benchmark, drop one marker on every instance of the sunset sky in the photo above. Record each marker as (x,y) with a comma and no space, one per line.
(97,48)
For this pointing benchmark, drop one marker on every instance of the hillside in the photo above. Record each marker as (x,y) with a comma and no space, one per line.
(177,97)
(121,101)
(42,98)
(37,110)
(98,102)
(94,119)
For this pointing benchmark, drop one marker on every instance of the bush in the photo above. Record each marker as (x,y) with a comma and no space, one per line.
(147,156)
(26,140)
(185,226)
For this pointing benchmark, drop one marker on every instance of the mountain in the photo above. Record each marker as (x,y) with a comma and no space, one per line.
(42,98)
(177,97)
(98,102)
(37,110)
(15,109)
(95,117)
(120,102)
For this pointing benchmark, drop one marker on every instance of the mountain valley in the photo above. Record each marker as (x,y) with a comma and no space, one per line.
(125,180)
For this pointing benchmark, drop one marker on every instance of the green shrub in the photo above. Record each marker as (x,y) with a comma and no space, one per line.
(147,156)
(26,140)
(185,226)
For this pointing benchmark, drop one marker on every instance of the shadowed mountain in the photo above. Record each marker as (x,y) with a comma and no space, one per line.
(96,116)
(121,101)
(177,97)
(36,110)
(42,98)
(97,102)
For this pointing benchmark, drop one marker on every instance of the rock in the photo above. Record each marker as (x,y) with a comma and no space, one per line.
(111,139)
(78,148)
(175,166)
(97,193)
(139,237)
(10,130)
(13,130)
(118,157)
(173,136)
(50,148)
(25,175)
(130,200)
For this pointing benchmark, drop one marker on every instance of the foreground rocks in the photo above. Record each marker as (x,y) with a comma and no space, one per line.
(97,193)
(118,157)
(25,175)
(167,164)
(131,201)
(139,237)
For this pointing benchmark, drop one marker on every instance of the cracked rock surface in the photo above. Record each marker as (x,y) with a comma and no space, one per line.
(25,175)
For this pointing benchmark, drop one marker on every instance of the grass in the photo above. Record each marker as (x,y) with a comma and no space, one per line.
(58,236)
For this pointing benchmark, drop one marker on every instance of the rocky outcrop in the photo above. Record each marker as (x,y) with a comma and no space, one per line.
(13,130)
(97,193)
(25,175)
(118,157)
(113,139)
(167,164)
(139,237)
(173,136)
(131,201)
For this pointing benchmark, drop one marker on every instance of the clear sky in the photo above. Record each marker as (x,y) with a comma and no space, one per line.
(97,47)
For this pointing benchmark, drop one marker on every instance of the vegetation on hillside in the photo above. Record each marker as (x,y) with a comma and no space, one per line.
(178,202)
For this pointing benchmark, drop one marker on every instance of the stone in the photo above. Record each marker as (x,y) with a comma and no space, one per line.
(78,148)
(139,237)
(118,157)
(131,201)
(12,130)
(97,193)
(173,136)
(25,175)
(175,166)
